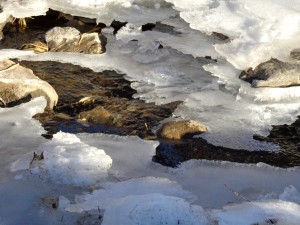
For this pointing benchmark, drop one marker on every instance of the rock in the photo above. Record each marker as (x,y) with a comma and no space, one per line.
(2,25)
(273,73)
(18,84)
(68,39)
(295,54)
(180,129)
(99,116)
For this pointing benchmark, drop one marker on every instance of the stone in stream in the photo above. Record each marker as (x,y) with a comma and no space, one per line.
(99,116)
(2,25)
(69,39)
(18,84)
(180,129)
(273,73)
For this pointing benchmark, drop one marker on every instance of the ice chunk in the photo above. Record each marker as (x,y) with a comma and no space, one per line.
(111,192)
(277,211)
(291,194)
(154,209)
(22,9)
(69,161)
(132,156)
(105,11)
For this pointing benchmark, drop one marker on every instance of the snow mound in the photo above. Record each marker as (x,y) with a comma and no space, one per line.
(138,186)
(154,209)
(69,161)
(259,30)
(277,211)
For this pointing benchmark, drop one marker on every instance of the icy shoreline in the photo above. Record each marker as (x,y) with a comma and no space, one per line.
(94,178)
(132,180)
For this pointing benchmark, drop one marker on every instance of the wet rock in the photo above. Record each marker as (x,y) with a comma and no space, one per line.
(273,73)
(180,129)
(220,36)
(68,39)
(2,25)
(295,54)
(99,116)
(18,84)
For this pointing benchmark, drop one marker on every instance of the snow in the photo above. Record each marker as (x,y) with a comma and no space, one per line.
(259,30)
(69,161)
(133,187)
(105,11)
(159,78)
(154,209)
(116,174)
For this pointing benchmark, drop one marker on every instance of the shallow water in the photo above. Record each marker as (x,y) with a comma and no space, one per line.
(135,117)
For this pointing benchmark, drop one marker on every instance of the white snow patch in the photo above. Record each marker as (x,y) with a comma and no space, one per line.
(69,161)
(259,30)
(259,212)
(154,209)
(111,192)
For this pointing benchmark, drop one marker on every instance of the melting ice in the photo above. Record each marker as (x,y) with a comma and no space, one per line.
(113,167)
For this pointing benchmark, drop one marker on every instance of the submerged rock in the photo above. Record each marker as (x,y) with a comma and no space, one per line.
(68,39)
(99,116)
(18,84)
(180,129)
(273,73)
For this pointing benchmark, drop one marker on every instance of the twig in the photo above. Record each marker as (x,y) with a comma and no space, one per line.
(244,198)
(237,194)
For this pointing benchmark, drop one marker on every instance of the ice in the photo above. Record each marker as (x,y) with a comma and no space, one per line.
(120,148)
(17,122)
(113,192)
(167,64)
(136,189)
(105,11)
(291,194)
(154,209)
(279,212)
(22,9)
(69,161)
(182,38)
(259,30)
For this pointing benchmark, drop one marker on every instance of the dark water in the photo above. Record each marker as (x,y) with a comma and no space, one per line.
(110,91)
(135,117)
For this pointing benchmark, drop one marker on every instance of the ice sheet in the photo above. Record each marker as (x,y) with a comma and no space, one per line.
(135,187)
(105,11)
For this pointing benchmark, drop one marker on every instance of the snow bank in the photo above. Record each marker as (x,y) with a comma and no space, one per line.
(259,30)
